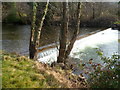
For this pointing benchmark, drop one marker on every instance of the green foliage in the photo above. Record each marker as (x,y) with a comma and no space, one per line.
(106,75)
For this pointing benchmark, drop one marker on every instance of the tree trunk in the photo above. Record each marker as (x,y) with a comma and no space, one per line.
(32,48)
(36,32)
(39,30)
(63,34)
(76,32)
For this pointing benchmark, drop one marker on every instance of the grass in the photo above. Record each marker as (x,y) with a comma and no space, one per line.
(20,72)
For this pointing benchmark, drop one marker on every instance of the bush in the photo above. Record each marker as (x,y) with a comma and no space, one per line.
(107,76)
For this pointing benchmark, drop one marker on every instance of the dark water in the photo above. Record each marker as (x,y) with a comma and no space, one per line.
(15,38)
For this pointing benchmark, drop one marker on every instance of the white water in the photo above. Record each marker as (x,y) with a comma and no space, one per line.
(85,48)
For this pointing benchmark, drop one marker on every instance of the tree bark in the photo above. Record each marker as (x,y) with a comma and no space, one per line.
(36,32)
(63,34)
(39,30)
(76,32)
(32,48)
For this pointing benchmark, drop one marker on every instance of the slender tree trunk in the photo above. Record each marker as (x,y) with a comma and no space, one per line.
(32,48)
(36,32)
(76,32)
(63,34)
(39,29)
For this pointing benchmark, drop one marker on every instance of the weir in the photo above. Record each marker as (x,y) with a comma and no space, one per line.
(49,53)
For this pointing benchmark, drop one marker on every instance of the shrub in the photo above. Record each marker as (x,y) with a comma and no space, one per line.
(107,76)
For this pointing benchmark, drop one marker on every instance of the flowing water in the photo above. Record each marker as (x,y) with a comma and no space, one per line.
(15,38)
(85,49)
(106,41)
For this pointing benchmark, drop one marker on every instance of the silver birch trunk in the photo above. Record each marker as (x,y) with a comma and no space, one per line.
(32,36)
(40,28)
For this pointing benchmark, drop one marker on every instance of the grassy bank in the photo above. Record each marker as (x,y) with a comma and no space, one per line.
(21,72)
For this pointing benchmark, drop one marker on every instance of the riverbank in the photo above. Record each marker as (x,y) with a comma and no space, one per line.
(21,72)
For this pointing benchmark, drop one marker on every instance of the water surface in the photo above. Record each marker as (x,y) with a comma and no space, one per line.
(86,48)
(15,38)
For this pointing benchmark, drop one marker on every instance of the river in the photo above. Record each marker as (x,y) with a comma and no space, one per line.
(85,49)
(15,38)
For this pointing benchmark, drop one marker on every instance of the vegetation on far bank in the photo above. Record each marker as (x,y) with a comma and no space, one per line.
(99,15)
